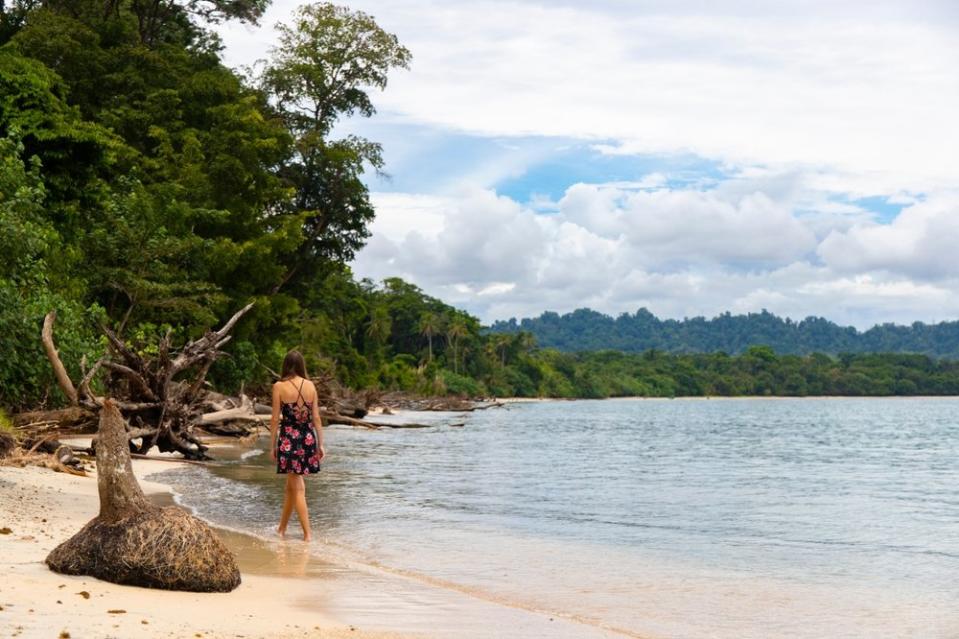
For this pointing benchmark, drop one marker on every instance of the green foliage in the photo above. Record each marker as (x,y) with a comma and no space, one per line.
(6,424)
(173,191)
(26,378)
(454,384)
(326,63)
(27,240)
(651,374)
(25,237)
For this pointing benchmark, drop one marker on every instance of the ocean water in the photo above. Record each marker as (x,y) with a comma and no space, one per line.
(658,518)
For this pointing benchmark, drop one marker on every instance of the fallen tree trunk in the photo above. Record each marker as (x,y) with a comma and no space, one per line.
(403,401)
(163,411)
(405,425)
(334,418)
(244,412)
(50,445)
(342,400)
(74,418)
(135,542)
(160,410)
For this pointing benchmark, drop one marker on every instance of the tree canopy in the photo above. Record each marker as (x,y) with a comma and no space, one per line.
(587,330)
(323,69)
(149,185)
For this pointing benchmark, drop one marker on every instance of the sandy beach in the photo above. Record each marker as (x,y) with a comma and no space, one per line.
(289,588)
(41,508)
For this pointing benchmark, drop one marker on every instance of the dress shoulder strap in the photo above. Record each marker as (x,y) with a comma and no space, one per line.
(299,391)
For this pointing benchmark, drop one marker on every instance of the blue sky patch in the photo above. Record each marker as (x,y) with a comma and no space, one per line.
(885,210)
(429,160)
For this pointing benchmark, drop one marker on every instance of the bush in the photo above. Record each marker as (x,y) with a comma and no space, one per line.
(6,424)
(461,385)
(26,378)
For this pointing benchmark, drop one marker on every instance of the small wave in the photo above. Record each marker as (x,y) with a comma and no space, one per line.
(353,558)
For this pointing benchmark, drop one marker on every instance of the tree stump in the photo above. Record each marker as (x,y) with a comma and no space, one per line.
(136,543)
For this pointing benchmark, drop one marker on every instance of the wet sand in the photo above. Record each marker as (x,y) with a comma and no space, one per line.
(288,587)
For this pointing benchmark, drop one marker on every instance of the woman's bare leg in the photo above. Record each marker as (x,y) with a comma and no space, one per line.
(299,502)
(287,505)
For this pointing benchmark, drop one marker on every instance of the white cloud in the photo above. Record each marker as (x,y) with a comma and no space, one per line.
(920,243)
(688,226)
(679,252)
(864,88)
(405,211)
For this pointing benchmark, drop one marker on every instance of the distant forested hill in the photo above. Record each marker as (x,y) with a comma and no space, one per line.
(588,330)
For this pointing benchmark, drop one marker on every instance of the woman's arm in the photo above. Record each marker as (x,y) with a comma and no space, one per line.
(318,422)
(274,421)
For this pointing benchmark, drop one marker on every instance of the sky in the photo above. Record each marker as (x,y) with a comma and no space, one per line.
(687,156)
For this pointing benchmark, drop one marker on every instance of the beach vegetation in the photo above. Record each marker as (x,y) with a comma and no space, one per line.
(6,424)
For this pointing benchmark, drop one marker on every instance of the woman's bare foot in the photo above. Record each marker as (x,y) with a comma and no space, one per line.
(307,537)
(281,532)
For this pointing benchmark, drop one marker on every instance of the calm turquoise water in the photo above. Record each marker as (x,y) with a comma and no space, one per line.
(677,518)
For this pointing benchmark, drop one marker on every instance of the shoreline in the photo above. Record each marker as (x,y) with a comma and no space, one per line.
(366,592)
(41,508)
(522,400)
(287,588)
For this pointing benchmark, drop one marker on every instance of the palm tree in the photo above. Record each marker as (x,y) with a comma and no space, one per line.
(526,341)
(456,331)
(430,325)
(380,325)
(501,343)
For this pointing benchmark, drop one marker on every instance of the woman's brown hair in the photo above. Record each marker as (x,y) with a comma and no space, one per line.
(293,364)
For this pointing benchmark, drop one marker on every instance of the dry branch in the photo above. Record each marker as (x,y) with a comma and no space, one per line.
(244,412)
(63,379)
(162,410)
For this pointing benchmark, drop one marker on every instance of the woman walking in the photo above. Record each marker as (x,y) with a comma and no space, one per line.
(296,438)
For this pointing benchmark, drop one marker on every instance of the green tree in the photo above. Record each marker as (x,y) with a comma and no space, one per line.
(27,240)
(166,191)
(379,326)
(326,63)
(500,346)
(430,325)
(456,330)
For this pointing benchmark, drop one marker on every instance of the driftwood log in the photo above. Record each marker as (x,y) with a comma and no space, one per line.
(405,401)
(341,400)
(73,419)
(160,397)
(135,542)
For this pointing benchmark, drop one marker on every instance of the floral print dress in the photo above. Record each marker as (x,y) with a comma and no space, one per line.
(296,442)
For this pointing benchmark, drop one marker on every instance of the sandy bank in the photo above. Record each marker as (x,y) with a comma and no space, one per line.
(42,508)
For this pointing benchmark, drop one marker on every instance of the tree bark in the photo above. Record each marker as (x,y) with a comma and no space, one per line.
(120,494)
(63,380)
